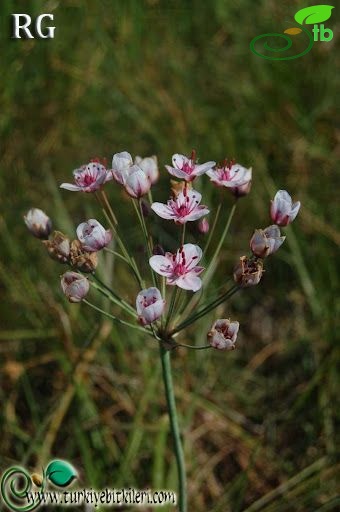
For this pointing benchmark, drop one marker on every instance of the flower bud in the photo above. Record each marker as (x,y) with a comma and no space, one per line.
(121,166)
(93,236)
(266,241)
(248,271)
(150,305)
(81,259)
(75,286)
(241,190)
(158,250)
(203,226)
(121,161)
(223,334)
(58,247)
(39,224)
(283,211)
(137,183)
(150,167)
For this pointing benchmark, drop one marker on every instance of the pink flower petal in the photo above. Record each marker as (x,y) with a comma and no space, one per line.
(179,160)
(193,254)
(189,282)
(197,214)
(177,172)
(161,265)
(203,168)
(163,211)
(70,186)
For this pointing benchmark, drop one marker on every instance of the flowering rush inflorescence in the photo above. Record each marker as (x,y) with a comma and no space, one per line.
(160,312)
(173,289)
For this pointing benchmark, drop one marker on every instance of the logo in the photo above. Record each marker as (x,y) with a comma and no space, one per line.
(16,484)
(314,15)
(21,27)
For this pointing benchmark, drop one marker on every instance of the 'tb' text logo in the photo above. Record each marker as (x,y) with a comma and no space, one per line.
(308,16)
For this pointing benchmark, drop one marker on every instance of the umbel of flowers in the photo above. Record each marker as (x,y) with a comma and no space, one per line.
(166,301)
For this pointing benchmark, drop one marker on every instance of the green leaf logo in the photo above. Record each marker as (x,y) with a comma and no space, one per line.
(314,14)
(60,473)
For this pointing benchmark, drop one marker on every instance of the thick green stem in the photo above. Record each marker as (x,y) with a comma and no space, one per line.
(170,398)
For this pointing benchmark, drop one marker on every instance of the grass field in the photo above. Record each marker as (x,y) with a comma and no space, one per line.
(260,424)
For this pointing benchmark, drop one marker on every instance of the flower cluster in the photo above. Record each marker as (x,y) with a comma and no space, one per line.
(171,291)
(264,242)
(79,254)
(163,314)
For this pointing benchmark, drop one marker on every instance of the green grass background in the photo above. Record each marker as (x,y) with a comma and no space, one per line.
(156,77)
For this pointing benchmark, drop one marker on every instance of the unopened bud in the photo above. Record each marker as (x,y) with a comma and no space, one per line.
(283,211)
(248,271)
(223,334)
(241,190)
(266,241)
(93,236)
(82,260)
(58,247)
(39,224)
(203,226)
(150,166)
(75,286)
(150,305)
(158,250)
(137,183)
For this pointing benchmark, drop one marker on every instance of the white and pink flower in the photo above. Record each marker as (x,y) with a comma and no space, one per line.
(183,208)
(88,178)
(137,177)
(150,305)
(266,241)
(242,190)
(137,183)
(39,224)
(93,236)
(203,226)
(187,168)
(223,334)
(231,175)
(75,286)
(149,165)
(121,166)
(283,211)
(180,268)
